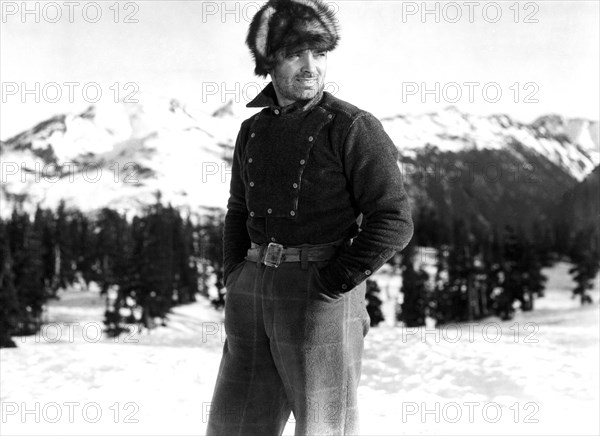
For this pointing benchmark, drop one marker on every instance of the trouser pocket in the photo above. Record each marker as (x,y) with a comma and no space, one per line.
(319,289)
(234,273)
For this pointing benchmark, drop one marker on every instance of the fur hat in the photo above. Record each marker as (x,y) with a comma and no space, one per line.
(289,23)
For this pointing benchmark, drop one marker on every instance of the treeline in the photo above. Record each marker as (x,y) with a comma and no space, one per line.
(144,265)
(148,264)
(481,272)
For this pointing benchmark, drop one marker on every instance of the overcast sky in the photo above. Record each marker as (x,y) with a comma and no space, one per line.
(389,53)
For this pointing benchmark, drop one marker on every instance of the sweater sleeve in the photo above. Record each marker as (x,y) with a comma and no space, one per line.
(236,240)
(370,161)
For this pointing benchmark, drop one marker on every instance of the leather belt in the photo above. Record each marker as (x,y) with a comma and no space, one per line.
(273,254)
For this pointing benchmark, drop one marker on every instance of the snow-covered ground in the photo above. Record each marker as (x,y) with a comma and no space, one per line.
(535,374)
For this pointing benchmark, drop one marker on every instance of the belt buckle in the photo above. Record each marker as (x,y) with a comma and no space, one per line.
(273,254)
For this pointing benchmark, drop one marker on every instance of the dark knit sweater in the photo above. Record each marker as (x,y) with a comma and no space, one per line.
(303,174)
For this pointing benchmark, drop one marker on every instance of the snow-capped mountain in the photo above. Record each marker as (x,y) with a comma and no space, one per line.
(491,169)
(120,155)
(570,144)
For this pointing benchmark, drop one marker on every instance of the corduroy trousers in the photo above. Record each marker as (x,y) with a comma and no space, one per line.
(289,347)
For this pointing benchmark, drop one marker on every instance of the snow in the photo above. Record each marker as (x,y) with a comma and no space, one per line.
(542,367)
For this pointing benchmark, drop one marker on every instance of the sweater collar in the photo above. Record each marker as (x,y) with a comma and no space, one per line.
(268,97)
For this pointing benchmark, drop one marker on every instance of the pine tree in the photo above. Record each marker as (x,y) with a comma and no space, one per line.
(542,242)
(440,305)
(480,288)
(156,265)
(509,276)
(186,273)
(79,229)
(26,249)
(533,280)
(493,259)
(108,257)
(584,273)
(64,247)
(210,248)
(373,303)
(414,289)
(9,304)
(123,258)
(586,258)
(110,265)
(44,222)
(127,307)
(561,236)
(460,266)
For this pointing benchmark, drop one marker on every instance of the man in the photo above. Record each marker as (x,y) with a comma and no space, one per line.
(305,169)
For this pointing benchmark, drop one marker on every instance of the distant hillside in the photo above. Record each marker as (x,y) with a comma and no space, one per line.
(580,206)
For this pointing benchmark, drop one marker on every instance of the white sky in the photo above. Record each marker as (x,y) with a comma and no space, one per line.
(182,50)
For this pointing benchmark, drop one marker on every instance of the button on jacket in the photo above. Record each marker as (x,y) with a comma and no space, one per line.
(304,174)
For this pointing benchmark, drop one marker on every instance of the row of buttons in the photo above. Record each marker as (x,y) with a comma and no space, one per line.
(295,185)
(270,211)
(310,138)
(276,112)
(302,161)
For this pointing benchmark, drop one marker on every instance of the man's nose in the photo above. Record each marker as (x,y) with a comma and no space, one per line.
(310,64)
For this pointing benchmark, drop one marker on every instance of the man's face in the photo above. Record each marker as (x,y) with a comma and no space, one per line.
(299,74)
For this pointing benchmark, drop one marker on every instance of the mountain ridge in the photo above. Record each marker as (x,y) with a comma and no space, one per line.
(184,152)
